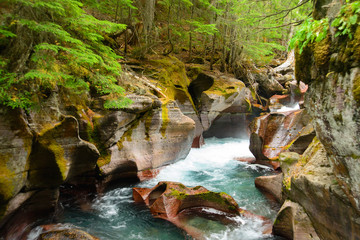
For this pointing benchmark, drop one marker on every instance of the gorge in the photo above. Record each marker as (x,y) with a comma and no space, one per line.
(179,144)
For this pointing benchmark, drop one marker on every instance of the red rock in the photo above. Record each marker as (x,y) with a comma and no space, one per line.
(274,133)
(148,174)
(176,203)
(246,159)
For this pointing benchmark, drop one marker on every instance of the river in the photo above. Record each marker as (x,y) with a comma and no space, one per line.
(114,215)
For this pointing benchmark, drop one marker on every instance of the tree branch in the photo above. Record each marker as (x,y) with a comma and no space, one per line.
(296,23)
(286,11)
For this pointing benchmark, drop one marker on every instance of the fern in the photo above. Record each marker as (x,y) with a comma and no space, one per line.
(310,31)
(347,19)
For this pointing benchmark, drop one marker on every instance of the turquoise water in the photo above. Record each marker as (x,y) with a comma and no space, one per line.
(115,216)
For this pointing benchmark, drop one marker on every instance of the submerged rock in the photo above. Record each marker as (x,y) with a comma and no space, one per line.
(179,204)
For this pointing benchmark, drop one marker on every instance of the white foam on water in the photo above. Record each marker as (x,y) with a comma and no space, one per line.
(210,160)
(212,166)
(288,108)
(248,229)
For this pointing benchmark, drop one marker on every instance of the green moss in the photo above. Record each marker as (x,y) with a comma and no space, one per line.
(58,153)
(177,194)
(197,188)
(193,72)
(148,121)
(303,64)
(165,119)
(103,160)
(225,87)
(356,89)
(220,198)
(7,186)
(127,136)
(322,52)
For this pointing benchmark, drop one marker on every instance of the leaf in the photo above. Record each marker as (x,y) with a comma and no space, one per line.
(353,19)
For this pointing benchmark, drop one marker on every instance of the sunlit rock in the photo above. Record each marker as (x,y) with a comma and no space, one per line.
(158,137)
(274,133)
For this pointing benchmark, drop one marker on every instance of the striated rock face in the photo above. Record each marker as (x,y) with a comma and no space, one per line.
(274,133)
(331,68)
(59,154)
(311,183)
(271,185)
(15,148)
(178,204)
(159,137)
(292,222)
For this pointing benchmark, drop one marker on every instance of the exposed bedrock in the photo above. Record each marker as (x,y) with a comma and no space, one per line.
(219,100)
(274,133)
(309,181)
(156,138)
(331,68)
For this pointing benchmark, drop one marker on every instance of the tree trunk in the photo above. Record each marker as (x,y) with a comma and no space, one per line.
(213,52)
(191,29)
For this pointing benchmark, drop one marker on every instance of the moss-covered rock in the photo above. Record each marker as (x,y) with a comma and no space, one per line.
(179,204)
(59,155)
(153,139)
(15,148)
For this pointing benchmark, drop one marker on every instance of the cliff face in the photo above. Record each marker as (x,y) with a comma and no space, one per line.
(333,100)
(327,179)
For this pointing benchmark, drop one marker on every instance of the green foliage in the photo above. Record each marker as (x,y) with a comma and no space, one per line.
(68,53)
(310,31)
(209,29)
(347,19)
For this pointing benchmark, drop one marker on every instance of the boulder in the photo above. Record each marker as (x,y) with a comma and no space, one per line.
(274,133)
(268,84)
(293,223)
(271,185)
(56,232)
(227,103)
(178,204)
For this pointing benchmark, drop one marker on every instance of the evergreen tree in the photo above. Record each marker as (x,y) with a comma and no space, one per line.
(51,44)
